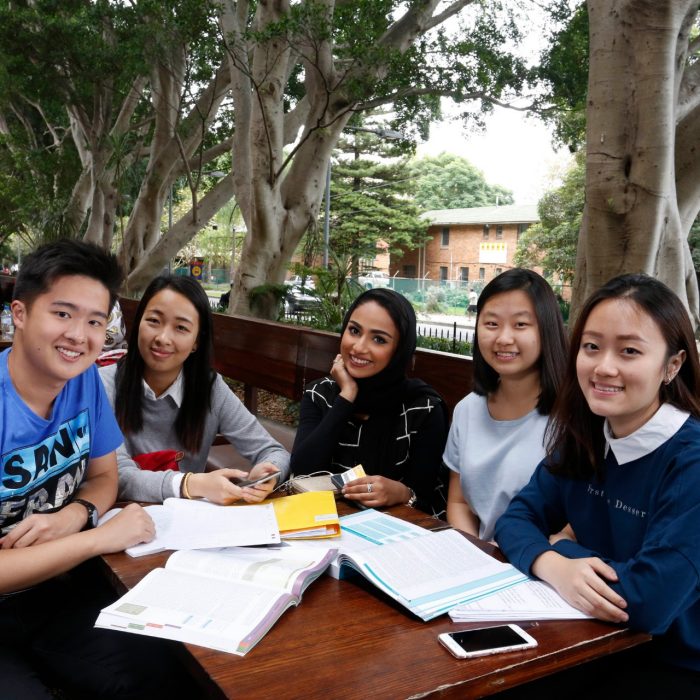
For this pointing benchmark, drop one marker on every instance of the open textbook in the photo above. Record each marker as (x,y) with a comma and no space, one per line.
(529,600)
(364,529)
(224,599)
(432,574)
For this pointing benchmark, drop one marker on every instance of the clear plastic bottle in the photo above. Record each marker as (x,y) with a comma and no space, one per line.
(6,326)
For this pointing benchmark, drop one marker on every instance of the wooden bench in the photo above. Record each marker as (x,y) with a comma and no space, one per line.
(282,358)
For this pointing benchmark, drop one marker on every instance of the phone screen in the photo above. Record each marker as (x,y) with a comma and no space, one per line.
(488,638)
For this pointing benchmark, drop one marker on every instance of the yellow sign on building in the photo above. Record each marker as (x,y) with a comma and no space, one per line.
(493,252)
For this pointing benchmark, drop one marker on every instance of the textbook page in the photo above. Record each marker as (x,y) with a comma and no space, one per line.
(363,530)
(226,599)
(284,568)
(432,574)
(191,524)
(225,615)
(529,600)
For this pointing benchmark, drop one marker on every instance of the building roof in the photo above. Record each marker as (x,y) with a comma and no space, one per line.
(506,214)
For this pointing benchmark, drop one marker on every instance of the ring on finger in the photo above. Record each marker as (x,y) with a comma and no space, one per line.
(369,487)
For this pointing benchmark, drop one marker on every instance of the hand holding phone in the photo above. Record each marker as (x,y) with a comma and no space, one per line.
(467,644)
(252,482)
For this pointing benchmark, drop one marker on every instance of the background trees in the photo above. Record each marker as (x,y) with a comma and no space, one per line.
(371,198)
(642,124)
(552,241)
(105,105)
(448,181)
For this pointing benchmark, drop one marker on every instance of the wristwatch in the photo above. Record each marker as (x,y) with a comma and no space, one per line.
(93,516)
(412,499)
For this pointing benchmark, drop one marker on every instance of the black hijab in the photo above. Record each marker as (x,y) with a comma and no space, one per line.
(381,395)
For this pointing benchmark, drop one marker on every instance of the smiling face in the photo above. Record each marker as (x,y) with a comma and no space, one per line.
(63,330)
(369,341)
(621,363)
(168,333)
(508,334)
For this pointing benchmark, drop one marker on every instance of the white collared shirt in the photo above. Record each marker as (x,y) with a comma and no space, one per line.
(175,391)
(664,424)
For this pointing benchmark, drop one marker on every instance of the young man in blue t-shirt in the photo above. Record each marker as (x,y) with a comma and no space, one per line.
(58,474)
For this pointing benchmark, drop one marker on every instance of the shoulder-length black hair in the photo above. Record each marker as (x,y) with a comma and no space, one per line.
(553,339)
(197,373)
(576,445)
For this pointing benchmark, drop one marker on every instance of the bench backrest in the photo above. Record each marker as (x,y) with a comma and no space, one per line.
(281,358)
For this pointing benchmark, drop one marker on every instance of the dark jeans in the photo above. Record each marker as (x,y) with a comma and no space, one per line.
(636,673)
(47,640)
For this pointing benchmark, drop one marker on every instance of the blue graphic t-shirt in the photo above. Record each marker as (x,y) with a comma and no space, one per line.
(43,461)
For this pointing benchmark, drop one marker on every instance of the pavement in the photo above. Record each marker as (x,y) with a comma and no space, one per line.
(445,320)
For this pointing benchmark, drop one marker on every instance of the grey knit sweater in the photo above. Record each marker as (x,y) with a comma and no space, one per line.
(228,416)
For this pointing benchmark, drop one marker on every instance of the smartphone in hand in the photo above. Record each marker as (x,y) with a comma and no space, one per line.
(252,482)
(467,644)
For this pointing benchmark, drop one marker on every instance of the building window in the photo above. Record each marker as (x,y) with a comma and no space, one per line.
(482,273)
(486,232)
(464,274)
(409,270)
(522,228)
(443,274)
(499,270)
(499,232)
(445,237)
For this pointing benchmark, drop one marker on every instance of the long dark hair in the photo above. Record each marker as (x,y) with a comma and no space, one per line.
(553,340)
(576,444)
(197,373)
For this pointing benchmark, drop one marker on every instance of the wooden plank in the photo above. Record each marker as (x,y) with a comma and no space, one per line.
(282,358)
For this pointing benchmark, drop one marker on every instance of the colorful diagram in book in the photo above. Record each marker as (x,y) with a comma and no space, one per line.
(363,530)
(223,599)
(378,528)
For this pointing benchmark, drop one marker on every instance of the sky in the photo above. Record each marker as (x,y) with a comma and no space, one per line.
(514,151)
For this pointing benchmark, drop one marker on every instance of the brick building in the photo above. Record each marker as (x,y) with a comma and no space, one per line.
(467,244)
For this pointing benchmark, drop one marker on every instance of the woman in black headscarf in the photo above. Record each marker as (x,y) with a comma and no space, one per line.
(368,412)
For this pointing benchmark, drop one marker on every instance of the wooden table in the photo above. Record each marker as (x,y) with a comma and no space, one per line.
(347,640)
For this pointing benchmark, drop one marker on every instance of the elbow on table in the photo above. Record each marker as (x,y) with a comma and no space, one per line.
(645,616)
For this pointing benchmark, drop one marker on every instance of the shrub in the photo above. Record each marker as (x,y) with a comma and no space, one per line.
(456,347)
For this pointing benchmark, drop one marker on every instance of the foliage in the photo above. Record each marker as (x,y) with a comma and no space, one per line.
(371,197)
(448,181)
(564,74)
(105,105)
(551,243)
(457,347)
(69,73)
(334,289)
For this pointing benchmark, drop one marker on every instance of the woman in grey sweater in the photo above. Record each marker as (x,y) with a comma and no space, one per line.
(166,397)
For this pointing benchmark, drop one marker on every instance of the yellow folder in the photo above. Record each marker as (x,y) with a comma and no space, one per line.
(307,515)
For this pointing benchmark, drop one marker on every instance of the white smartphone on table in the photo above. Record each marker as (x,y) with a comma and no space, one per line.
(483,641)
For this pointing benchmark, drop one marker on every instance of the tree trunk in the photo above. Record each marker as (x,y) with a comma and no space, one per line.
(632,220)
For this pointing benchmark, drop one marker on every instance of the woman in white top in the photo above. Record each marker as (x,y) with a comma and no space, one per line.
(497,435)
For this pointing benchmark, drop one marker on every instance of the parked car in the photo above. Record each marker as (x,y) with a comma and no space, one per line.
(297,281)
(298,298)
(374,278)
